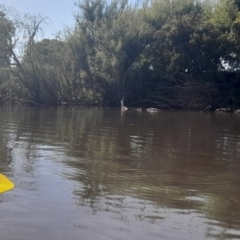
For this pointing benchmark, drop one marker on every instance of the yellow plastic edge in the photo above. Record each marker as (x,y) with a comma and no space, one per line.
(5,184)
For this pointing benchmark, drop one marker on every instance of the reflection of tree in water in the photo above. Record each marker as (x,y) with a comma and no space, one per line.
(170,162)
(165,161)
(22,134)
(5,138)
(5,155)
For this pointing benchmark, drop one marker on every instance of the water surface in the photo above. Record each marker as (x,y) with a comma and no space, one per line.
(98,173)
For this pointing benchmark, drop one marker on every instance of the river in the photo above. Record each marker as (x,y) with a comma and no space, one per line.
(99,173)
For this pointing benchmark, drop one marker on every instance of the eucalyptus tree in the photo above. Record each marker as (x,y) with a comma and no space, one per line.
(73,73)
(111,36)
(23,58)
(28,71)
(18,33)
(6,31)
(191,43)
(224,20)
(6,44)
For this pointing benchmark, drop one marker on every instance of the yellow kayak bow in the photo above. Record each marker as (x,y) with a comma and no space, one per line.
(5,184)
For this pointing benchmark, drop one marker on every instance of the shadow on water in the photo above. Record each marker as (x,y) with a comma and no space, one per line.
(165,175)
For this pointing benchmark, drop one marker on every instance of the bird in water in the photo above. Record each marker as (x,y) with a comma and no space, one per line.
(123,108)
(152,110)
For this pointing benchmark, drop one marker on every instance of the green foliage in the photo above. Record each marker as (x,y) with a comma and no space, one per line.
(165,53)
(223,14)
(6,32)
(190,47)
(114,35)
(39,70)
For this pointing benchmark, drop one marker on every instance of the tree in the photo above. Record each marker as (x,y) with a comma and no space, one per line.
(26,66)
(39,66)
(187,54)
(6,32)
(114,36)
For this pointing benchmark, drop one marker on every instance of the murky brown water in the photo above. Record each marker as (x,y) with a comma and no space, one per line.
(92,173)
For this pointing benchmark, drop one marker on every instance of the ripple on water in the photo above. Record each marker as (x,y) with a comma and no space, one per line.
(101,175)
